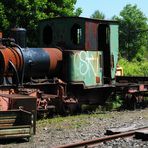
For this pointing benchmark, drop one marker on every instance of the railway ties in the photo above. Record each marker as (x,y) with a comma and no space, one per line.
(140,133)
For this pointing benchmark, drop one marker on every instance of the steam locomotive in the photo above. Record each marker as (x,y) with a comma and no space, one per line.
(74,64)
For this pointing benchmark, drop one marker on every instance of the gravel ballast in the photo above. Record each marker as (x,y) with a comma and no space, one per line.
(65,130)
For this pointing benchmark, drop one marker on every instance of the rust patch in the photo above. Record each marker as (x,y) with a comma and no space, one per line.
(91,39)
(9,54)
(141,87)
(97,79)
(1,34)
(55,55)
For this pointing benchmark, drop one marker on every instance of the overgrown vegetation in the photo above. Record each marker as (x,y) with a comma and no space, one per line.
(134,67)
(27,14)
(73,122)
(133,37)
(133,33)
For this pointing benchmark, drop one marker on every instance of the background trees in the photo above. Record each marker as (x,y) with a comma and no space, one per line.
(133,33)
(27,13)
(98,15)
(133,37)
(133,41)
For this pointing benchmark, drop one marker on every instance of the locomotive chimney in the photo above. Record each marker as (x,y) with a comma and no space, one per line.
(1,34)
(19,34)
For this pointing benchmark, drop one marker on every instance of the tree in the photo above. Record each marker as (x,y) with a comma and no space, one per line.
(98,15)
(3,21)
(27,13)
(133,35)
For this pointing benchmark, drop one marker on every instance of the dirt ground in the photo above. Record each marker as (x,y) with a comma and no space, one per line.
(59,131)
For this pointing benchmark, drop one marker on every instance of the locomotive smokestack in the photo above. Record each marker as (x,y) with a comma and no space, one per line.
(19,34)
(1,34)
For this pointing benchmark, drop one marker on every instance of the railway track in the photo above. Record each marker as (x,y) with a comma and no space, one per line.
(135,132)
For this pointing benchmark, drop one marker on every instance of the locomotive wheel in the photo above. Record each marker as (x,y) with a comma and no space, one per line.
(74,108)
(127,101)
(133,102)
(61,108)
(130,101)
(141,102)
(72,105)
(137,101)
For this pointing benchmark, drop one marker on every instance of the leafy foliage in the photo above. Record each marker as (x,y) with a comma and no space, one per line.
(26,13)
(3,21)
(133,33)
(134,68)
(98,15)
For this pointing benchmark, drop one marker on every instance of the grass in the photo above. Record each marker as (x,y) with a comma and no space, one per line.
(72,122)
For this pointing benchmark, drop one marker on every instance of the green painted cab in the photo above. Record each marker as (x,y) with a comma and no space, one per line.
(90,48)
(84,67)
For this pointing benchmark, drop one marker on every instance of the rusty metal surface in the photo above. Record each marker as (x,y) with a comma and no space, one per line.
(41,62)
(4,103)
(16,123)
(102,139)
(131,79)
(26,102)
(62,32)
(131,84)
(17,96)
(55,57)
(7,55)
(1,34)
(91,36)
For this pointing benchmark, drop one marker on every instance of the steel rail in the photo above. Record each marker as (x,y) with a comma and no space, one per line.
(102,139)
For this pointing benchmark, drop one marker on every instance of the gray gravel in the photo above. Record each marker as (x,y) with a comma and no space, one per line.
(92,126)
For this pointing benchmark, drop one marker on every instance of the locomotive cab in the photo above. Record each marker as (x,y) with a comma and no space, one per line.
(90,48)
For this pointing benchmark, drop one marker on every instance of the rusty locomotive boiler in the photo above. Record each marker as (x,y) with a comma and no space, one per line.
(27,66)
(74,64)
(22,64)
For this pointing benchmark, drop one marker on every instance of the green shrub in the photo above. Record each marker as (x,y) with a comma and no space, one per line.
(134,68)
